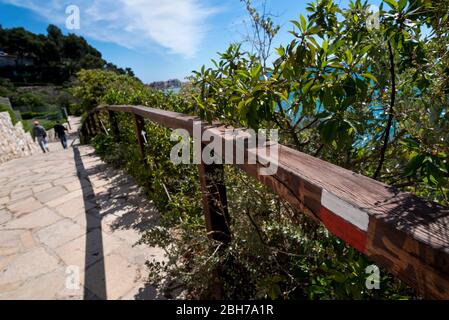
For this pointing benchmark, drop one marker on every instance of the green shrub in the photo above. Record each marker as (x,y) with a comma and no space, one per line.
(6,87)
(75,110)
(47,124)
(4,108)
(28,99)
(26,126)
(41,115)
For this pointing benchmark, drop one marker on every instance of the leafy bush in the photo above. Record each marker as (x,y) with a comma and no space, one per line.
(371,100)
(6,87)
(57,56)
(75,110)
(26,126)
(4,108)
(27,99)
(47,124)
(41,115)
(92,85)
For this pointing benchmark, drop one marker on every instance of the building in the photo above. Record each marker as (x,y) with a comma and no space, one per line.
(8,60)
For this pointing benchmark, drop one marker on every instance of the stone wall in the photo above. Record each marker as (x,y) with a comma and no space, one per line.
(14,141)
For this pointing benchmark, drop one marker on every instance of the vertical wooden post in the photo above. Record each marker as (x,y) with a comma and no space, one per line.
(88,125)
(96,120)
(64,109)
(140,128)
(84,133)
(215,202)
(114,125)
(215,206)
(93,123)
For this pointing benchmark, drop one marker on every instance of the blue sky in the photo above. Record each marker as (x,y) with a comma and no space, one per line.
(158,39)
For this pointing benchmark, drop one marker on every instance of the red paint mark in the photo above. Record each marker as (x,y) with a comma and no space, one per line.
(346,231)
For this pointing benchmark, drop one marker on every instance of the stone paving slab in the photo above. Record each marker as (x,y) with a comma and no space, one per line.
(60,233)
(4,216)
(51,194)
(28,265)
(22,207)
(68,227)
(39,218)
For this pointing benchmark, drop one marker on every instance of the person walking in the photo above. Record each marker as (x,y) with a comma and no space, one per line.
(60,133)
(40,134)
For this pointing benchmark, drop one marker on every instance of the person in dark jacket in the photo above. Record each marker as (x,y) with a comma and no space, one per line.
(40,134)
(60,133)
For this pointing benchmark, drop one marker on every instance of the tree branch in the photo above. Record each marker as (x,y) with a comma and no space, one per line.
(390,115)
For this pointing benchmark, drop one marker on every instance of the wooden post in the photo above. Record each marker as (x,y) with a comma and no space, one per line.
(114,125)
(215,202)
(103,126)
(64,109)
(94,124)
(215,206)
(88,125)
(140,128)
(84,133)
(96,120)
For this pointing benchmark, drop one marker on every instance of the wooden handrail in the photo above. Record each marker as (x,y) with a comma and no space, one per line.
(395,229)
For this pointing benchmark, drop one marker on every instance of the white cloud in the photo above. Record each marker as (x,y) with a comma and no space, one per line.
(177,25)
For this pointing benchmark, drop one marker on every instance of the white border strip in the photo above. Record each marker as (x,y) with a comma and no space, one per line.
(345,210)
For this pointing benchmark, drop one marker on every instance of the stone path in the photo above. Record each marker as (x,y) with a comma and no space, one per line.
(68,225)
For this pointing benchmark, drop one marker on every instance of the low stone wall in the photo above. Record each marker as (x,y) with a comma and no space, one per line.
(14,141)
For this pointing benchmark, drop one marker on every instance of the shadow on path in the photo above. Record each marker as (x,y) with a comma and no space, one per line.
(93,277)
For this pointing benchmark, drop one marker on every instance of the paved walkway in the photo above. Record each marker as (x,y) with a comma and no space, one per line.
(68,225)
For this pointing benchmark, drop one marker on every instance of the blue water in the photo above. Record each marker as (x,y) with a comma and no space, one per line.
(361,139)
(171,90)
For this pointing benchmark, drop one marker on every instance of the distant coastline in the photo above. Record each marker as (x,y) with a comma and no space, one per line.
(169,85)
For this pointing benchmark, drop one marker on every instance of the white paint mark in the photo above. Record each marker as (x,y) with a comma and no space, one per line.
(345,210)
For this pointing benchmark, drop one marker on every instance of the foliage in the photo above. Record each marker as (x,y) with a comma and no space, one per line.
(40,115)
(4,108)
(55,57)
(264,31)
(49,62)
(373,100)
(27,99)
(44,99)
(26,126)
(47,124)
(93,85)
(6,87)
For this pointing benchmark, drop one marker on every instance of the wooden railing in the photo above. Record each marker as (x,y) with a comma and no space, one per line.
(395,229)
